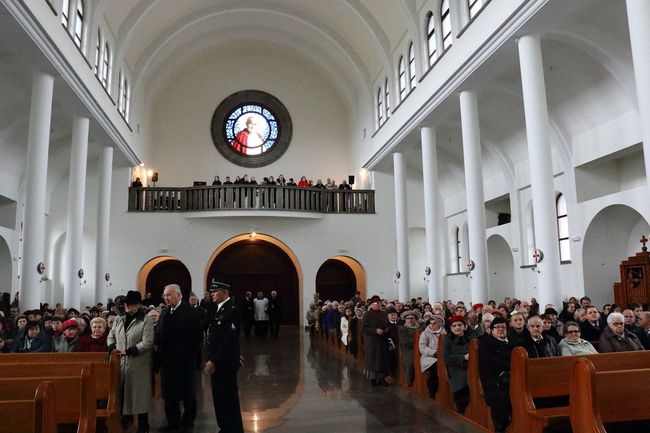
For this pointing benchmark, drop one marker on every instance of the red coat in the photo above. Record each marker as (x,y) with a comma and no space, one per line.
(303,184)
(89,344)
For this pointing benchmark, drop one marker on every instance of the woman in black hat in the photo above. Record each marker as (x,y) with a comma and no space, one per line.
(133,336)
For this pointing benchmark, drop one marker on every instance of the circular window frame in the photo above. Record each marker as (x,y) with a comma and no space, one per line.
(251,97)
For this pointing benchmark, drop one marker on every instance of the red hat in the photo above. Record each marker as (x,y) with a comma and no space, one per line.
(477,306)
(374,299)
(69,324)
(453,319)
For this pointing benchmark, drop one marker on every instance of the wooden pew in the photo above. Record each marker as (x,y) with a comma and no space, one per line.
(592,393)
(74,396)
(551,377)
(477,410)
(444,396)
(420,379)
(35,415)
(107,376)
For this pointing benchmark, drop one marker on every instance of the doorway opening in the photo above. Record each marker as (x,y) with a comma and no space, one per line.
(259,263)
(339,277)
(161,271)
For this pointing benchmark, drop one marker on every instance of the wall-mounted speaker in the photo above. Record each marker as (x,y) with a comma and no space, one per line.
(351,179)
(154,176)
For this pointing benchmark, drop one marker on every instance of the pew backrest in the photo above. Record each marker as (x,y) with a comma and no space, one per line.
(53,357)
(444,396)
(592,393)
(35,415)
(75,396)
(477,410)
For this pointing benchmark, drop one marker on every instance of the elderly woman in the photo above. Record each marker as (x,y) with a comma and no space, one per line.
(406,341)
(615,338)
(133,336)
(455,351)
(375,342)
(572,344)
(486,321)
(428,345)
(96,340)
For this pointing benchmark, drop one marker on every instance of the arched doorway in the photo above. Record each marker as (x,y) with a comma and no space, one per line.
(611,237)
(501,268)
(259,263)
(5,266)
(161,271)
(339,277)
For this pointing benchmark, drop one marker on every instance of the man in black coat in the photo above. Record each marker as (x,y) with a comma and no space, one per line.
(591,328)
(536,344)
(223,360)
(247,311)
(178,338)
(494,353)
(275,312)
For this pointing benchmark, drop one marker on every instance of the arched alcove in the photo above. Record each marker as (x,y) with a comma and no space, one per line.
(161,271)
(417,262)
(5,266)
(465,253)
(339,277)
(259,263)
(501,268)
(611,237)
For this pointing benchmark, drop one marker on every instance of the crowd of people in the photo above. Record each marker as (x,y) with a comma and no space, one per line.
(577,327)
(169,339)
(281,181)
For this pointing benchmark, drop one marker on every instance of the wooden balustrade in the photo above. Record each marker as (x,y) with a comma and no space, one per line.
(251,197)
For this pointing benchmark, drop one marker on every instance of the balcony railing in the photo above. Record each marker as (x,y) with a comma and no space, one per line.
(257,197)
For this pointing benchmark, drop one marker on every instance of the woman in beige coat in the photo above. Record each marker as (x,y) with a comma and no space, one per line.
(133,336)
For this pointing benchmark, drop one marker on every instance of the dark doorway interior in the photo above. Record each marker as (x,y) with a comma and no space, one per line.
(168,272)
(258,265)
(335,281)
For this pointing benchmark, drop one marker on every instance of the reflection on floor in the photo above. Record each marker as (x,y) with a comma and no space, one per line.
(289,386)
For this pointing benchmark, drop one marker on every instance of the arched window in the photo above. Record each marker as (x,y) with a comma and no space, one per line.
(123,100)
(65,13)
(380,107)
(106,65)
(431,39)
(474,7)
(387,93)
(98,48)
(79,24)
(458,254)
(402,78)
(412,80)
(445,19)
(563,228)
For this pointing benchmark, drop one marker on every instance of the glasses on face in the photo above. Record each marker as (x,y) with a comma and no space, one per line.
(573,331)
(500,327)
(535,326)
(457,325)
(617,323)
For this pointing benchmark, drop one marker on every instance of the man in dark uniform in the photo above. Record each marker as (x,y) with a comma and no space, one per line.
(275,312)
(178,337)
(247,311)
(223,360)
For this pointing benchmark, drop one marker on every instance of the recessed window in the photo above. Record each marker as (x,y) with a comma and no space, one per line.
(251,128)
(474,7)
(106,65)
(563,228)
(445,19)
(79,24)
(412,79)
(402,78)
(65,13)
(431,38)
(98,48)
(457,245)
(123,99)
(380,107)
(387,93)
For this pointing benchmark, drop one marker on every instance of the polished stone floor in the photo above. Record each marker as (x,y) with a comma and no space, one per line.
(290,386)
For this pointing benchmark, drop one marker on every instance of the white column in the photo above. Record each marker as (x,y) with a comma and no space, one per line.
(103,223)
(38,143)
(431,211)
(638,17)
(475,197)
(401,227)
(541,168)
(75,221)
